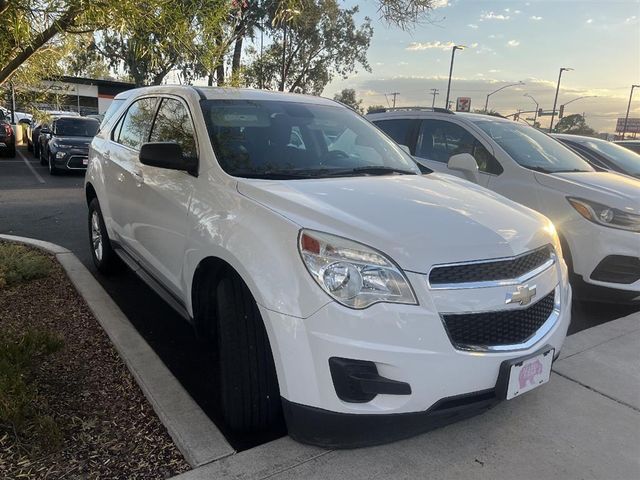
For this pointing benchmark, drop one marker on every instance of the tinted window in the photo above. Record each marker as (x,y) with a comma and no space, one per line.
(173,124)
(533,149)
(135,127)
(76,127)
(624,158)
(397,129)
(113,108)
(259,138)
(439,140)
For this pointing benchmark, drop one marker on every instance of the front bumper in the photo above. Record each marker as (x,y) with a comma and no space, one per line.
(407,344)
(591,244)
(74,159)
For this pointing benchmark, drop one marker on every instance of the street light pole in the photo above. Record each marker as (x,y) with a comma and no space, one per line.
(626,118)
(486,103)
(535,115)
(453,53)
(555,101)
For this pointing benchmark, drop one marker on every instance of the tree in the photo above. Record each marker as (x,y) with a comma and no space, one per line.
(574,124)
(30,26)
(348,97)
(322,43)
(373,108)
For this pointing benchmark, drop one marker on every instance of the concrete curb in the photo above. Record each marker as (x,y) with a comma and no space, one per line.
(195,435)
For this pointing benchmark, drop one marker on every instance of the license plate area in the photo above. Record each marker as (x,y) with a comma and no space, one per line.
(521,375)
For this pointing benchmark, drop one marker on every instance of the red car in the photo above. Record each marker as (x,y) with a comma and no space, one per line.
(7,137)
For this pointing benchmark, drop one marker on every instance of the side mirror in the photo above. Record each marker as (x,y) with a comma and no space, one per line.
(465,163)
(405,148)
(167,155)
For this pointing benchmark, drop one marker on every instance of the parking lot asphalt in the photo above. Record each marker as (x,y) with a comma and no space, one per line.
(37,205)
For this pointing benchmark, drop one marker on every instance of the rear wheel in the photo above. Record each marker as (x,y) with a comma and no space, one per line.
(248,384)
(53,170)
(104,257)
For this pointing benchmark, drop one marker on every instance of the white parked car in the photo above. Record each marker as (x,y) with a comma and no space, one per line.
(597,214)
(341,289)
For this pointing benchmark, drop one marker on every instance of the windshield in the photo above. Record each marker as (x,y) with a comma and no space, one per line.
(280,139)
(76,127)
(533,149)
(623,157)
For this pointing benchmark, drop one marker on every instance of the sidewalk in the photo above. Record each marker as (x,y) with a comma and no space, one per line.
(584,424)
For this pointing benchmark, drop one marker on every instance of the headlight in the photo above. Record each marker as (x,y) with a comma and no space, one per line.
(60,154)
(606,216)
(353,274)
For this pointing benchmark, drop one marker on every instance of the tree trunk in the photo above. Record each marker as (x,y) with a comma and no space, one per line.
(237,54)
(220,73)
(36,44)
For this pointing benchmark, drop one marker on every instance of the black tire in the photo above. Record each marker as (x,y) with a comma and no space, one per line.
(248,384)
(11,153)
(29,146)
(108,261)
(43,161)
(53,170)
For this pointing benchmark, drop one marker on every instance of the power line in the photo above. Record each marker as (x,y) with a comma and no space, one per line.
(395,94)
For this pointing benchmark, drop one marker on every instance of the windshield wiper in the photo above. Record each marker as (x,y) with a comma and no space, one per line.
(273,175)
(573,170)
(538,169)
(370,170)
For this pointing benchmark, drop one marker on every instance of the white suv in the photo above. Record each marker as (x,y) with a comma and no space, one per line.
(597,214)
(341,290)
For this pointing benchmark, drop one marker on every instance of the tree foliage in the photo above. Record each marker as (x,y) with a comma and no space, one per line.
(322,43)
(347,96)
(574,124)
(373,108)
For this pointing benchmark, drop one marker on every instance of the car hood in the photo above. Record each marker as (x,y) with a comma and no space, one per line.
(417,220)
(611,189)
(81,142)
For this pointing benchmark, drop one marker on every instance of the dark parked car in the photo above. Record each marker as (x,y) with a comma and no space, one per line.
(33,132)
(603,155)
(67,143)
(7,137)
(633,145)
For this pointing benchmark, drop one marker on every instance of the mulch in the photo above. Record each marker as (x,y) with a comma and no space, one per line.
(109,431)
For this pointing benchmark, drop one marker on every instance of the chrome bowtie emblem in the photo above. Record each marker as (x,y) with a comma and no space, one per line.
(523,295)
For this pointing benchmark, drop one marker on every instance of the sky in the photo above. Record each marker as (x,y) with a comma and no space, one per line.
(507,42)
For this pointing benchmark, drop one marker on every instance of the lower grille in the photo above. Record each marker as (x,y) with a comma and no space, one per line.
(618,269)
(76,162)
(491,329)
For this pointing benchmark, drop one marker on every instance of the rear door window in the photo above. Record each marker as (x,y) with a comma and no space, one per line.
(402,130)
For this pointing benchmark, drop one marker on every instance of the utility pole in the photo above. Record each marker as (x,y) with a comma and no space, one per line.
(13,104)
(434,92)
(453,53)
(395,94)
(626,118)
(555,101)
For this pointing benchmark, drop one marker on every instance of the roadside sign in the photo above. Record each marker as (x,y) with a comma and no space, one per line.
(463,104)
(633,125)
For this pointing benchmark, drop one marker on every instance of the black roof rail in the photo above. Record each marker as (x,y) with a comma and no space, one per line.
(404,109)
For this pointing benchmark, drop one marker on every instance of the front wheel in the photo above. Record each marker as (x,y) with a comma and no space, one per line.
(248,383)
(104,257)
(53,170)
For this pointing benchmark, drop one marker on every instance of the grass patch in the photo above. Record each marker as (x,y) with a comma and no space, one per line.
(20,264)
(20,356)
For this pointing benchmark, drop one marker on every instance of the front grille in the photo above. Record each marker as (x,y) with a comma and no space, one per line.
(506,269)
(491,329)
(76,162)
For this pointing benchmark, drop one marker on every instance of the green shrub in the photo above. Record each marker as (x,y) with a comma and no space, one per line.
(20,264)
(20,356)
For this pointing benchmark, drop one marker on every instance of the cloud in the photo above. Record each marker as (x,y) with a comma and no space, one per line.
(590,20)
(535,18)
(631,19)
(472,25)
(418,46)
(499,35)
(517,12)
(493,16)
(513,43)
(439,4)
(494,70)
(473,45)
